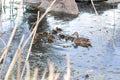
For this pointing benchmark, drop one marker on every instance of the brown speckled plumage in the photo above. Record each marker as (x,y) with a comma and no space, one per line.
(81,41)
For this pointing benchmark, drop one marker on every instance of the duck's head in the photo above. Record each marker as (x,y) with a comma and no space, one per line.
(58,29)
(75,35)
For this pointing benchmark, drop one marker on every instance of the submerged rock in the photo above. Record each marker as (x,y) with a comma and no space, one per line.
(61,6)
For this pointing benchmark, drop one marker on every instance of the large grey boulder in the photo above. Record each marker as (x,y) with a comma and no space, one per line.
(61,6)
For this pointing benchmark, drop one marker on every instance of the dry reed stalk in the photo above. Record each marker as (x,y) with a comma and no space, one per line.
(52,75)
(35,76)
(64,77)
(94,7)
(34,31)
(14,59)
(56,76)
(68,67)
(44,73)
(27,76)
(51,71)
(13,33)
(67,75)
(3,65)
(114,29)
(19,66)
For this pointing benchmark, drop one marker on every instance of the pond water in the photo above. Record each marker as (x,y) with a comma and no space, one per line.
(102,60)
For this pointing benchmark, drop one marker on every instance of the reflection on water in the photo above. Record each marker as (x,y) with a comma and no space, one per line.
(101,59)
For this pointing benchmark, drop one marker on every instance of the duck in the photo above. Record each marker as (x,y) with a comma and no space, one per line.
(80,41)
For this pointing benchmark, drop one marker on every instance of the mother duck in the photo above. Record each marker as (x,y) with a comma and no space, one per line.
(79,41)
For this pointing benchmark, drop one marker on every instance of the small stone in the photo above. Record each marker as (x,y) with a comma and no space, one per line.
(86,76)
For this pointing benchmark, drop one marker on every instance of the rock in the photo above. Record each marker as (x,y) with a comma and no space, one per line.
(61,6)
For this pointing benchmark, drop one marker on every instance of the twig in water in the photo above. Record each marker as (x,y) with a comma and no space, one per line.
(94,7)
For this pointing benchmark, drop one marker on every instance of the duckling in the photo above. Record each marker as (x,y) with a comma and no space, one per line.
(81,41)
(44,34)
(67,37)
(61,36)
(37,36)
(49,38)
(54,31)
(58,29)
